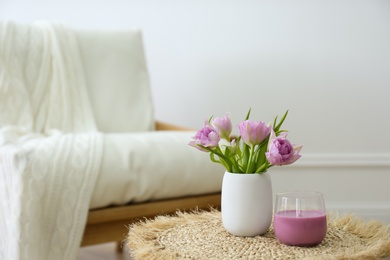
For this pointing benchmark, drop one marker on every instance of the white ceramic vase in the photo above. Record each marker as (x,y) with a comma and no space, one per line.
(246,205)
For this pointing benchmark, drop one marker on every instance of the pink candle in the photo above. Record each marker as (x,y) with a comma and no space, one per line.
(303,228)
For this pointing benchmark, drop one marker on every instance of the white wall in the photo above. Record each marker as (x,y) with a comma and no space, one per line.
(327,61)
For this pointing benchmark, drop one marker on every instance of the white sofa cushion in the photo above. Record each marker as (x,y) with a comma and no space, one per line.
(117,80)
(155,165)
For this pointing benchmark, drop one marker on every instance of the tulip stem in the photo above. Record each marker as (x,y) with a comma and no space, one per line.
(249,165)
(266,165)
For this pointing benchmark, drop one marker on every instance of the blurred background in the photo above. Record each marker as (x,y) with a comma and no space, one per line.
(326,61)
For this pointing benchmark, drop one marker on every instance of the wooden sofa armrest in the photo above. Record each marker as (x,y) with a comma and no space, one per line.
(162,126)
(110,224)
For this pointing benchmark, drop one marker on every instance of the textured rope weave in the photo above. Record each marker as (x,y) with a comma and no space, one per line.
(201,235)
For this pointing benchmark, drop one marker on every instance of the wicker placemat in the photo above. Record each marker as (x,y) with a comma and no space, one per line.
(201,235)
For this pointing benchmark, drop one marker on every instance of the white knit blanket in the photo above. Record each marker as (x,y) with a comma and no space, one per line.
(50,150)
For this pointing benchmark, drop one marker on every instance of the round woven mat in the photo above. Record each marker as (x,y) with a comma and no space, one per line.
(202,236)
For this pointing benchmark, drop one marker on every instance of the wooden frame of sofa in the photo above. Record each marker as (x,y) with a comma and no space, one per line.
(110,224)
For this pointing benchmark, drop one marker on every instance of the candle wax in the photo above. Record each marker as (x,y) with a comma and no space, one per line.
(303,228)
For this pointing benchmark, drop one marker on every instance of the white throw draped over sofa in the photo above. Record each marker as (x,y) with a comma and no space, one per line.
(81,153)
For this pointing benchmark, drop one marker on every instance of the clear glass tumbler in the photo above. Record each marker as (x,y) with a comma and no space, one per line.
(300,218)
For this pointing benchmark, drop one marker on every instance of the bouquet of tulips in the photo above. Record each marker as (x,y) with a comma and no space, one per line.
(258,147)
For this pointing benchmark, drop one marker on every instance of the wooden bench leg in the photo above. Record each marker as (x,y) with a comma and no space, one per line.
(119,247)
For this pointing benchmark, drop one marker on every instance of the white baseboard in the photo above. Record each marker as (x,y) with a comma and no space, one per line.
(351,183)
(367,212)
(374,160)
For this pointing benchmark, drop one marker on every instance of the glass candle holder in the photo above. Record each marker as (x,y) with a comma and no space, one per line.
(300,218)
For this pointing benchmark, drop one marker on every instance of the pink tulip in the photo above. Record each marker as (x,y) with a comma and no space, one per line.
(253,133)
(281,151)
(206,137)
(223,125)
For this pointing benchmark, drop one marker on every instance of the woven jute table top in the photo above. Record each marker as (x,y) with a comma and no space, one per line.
(201,235)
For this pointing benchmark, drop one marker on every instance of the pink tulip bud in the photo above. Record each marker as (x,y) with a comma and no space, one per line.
(223,125)
(253,133)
